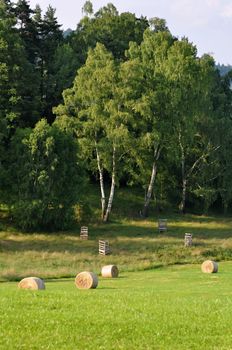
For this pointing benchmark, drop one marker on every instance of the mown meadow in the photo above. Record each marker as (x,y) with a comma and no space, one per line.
(161,299)
(175,307)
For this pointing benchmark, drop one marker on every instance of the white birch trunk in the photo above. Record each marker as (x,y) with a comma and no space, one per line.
(184,178)
(183,200)
(151,183)
(111,196)
(101,182)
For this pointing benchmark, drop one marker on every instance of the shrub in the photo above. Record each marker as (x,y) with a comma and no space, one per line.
(45,177)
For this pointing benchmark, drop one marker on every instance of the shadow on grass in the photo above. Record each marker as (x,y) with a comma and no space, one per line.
(119,247)
(135,235)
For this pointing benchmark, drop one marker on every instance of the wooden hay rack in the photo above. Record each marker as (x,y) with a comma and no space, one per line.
(188,240)
(84,233)
(162,225)
(104,247)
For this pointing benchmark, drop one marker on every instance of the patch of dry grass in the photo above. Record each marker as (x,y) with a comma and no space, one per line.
(135,244)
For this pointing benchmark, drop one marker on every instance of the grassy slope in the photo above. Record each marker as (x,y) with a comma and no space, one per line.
(168,308)
(136,243)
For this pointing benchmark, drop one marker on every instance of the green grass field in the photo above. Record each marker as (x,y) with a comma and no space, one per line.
(166,308)
(136,245)
(161,300)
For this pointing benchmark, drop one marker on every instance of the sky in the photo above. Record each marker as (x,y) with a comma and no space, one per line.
(206,23)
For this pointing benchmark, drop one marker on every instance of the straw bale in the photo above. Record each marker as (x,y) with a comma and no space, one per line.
(86,280)
(209,266)
(34,283)
(109,271)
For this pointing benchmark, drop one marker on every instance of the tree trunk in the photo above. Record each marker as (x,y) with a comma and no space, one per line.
(152,181)
(111,196)
(101,181)
(183,200)
(225,207)
(149,191)
(184,178)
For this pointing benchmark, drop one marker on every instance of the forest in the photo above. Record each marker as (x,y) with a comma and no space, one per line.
(117,102)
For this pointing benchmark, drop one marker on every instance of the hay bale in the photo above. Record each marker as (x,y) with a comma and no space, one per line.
(33,283)
(209,266)
(86,280)
(109,271)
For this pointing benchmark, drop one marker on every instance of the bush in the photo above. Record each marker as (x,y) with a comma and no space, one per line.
(45,177)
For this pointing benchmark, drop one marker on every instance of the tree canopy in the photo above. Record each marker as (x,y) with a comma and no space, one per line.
(119,99)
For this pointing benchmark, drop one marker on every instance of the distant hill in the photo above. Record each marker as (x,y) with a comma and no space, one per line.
(67,32)
(224,69)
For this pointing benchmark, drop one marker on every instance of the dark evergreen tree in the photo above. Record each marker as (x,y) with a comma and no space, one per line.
(17,81)
(13,65)
(50,37)
(65,67)
(27,29)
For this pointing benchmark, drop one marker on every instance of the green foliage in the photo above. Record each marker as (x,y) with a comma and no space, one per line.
(49,39)
(143,103)
(87,9)
(44,177)
(109,28)
(145,95)
(18,100)
(65,67)
(27,29)
(83,213)
(15,86)
(158,24)
(103,125)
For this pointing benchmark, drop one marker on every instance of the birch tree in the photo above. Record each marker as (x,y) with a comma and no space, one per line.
(102,125)
(146,98)
(190,84)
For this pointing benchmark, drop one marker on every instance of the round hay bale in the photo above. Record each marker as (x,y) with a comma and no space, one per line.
(86,280)
(109,271)
(34,283)
(209,266)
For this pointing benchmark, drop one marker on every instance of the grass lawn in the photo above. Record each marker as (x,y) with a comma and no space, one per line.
(161,300)
(175,307)
(135,243)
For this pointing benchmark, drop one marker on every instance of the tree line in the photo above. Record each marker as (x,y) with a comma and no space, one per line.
(119,98)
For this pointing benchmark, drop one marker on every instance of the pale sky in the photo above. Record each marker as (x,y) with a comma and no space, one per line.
(206,23)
